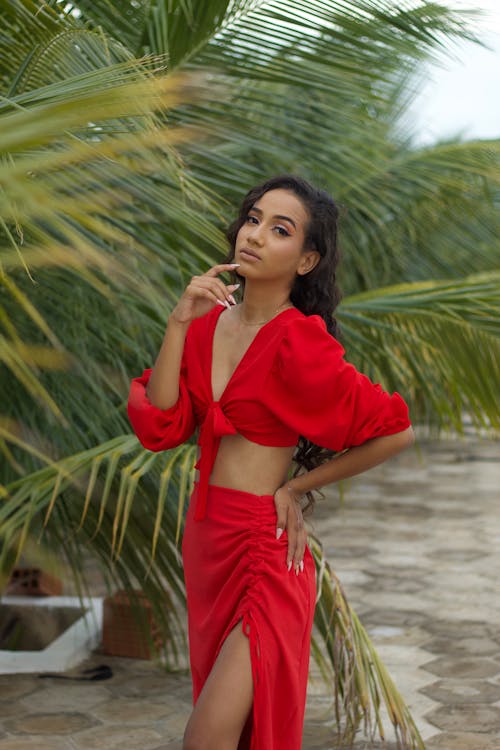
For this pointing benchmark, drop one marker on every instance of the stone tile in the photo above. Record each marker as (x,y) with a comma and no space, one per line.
(426,730)
(406,656)
(132,710)
(319,707)
(50,723)
(462,691)
(477,717)
(394,600)
(399,617)
(158,683)
(463,741)
(34,743)
(126,737)
(463,646)
(457,553)
(317,736)
(15,686)
(451,629)
(393,584)
(420,705)
(336,551)
(464,607)
(448,666)
(176,724)
(351,578)
(61,697)
(359,745)
(401,636)
(9,708)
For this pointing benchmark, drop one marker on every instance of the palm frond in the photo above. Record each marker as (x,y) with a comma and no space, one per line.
(104,497)
(349,663)
(439,342)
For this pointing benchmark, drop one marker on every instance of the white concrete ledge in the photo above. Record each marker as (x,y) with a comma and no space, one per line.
(68,649)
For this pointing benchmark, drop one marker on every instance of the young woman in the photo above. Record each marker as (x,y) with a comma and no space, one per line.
(265,381)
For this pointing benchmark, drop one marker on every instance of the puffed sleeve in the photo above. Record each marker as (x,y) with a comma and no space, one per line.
(160,429)
(313,390)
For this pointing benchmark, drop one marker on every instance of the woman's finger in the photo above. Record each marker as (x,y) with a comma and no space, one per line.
(221,291)
(298,560)
(220,268)
(281,505)
(292,541)
(298,526)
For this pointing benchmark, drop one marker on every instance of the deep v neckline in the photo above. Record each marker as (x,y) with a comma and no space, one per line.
(244,356)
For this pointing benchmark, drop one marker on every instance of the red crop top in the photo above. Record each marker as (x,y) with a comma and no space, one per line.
(291,381)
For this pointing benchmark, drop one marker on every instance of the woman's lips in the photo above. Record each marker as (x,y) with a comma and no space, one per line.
(248,255)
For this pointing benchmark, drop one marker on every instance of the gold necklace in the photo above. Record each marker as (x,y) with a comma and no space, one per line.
(263,322)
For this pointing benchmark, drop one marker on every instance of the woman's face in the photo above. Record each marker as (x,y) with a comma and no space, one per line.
(270,243)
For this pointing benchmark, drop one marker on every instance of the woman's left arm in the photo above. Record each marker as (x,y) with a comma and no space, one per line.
(347,464)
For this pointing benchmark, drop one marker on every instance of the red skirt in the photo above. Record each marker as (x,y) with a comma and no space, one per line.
(235,569)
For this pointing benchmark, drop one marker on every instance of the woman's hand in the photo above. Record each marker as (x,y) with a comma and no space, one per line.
(290,518)
(203,293)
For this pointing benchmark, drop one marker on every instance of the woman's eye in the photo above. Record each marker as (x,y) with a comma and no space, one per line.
(278,228)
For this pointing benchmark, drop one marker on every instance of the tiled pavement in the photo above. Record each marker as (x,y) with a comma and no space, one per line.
(416,544)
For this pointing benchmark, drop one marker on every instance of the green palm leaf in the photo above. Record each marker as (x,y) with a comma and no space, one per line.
(439,342)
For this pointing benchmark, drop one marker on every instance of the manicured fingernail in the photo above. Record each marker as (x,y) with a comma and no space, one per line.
(220,302)
(234,265)
(301,566)
(234,287)
(231,299)
(289,566)
(278,532)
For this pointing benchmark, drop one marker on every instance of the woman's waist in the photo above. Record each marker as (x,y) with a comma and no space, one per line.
(249,467)
(233,508)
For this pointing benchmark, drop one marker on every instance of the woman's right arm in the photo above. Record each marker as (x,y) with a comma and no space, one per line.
(159,405)
(162,389)
(199,297)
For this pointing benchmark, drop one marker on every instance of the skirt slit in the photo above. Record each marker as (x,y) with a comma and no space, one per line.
(235,570)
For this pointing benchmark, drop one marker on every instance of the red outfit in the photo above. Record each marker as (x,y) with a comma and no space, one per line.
(291,381)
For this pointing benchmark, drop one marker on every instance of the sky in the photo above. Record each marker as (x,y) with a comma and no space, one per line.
(462,95)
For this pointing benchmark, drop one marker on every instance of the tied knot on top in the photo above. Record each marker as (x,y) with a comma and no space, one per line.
(215,426)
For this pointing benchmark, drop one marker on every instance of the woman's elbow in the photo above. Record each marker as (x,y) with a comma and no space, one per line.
(404,439)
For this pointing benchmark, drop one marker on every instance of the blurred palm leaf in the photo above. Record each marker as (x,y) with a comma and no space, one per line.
(437,341)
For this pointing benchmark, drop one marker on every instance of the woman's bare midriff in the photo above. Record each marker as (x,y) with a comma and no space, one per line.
(243,465)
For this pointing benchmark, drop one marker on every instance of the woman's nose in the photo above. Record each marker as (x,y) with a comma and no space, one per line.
(255,234)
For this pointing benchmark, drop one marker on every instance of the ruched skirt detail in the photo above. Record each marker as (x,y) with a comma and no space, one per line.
(235,570)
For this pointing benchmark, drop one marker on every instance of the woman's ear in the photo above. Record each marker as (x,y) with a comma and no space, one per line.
(308,261)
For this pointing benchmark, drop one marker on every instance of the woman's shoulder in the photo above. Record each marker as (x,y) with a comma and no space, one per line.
(305,348)
(307,332)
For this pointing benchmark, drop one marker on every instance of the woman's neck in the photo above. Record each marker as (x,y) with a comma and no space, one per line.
(261,304)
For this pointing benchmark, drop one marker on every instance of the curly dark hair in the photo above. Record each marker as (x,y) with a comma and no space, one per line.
(316,292)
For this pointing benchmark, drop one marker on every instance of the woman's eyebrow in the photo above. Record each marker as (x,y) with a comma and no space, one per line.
(276,216)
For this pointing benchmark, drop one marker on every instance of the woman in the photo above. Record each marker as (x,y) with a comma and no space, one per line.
(259,378)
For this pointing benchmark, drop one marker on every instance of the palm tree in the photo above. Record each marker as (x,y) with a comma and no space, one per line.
(130,131)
